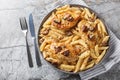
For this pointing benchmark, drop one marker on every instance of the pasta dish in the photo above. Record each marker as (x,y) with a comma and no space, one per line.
(73,39)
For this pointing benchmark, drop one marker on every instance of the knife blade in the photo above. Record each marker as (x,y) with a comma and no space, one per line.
(31,25)
(32,31)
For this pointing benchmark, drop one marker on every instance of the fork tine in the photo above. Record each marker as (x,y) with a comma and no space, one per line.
(23,23)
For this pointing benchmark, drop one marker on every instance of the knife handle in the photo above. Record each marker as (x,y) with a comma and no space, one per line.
(38,61)
(29,54)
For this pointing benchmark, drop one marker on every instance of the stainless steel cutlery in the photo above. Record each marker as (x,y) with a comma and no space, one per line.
(24,29)
(32,31)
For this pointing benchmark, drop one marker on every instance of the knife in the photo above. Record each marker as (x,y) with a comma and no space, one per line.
(32,31)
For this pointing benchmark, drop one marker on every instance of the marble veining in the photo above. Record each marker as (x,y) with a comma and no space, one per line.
(13,56)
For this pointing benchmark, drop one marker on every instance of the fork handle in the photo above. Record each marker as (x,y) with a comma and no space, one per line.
(29,54)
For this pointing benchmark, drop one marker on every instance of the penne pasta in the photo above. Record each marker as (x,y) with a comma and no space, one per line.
(103,27)
(105,39)
(87,12)
(91,64)
(47,46)
(76,33)
(103,48)
(92,54)
(73,38)
(48,22)
(58,31)
(67,67)
(100,57)
(83,43)
(97,50)
(79,42)
(69,40)
(52,60)
(45,54)
(85,54)
(84,63)
(43,46)
(99,28)
(77,67)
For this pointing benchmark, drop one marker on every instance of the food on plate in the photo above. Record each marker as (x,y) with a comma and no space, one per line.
(73,39)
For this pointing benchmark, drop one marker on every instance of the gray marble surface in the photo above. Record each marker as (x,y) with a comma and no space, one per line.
(13,56)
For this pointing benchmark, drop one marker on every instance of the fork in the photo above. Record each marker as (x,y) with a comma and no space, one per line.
(24,28)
